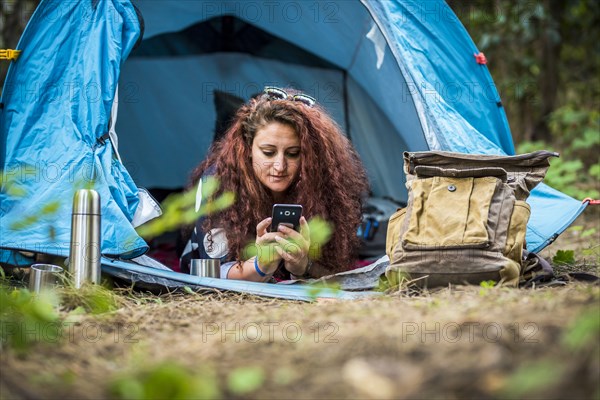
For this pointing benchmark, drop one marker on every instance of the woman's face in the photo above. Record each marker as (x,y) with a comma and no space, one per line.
(276,156)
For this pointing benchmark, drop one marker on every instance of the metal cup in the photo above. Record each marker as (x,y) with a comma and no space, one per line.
(43,276)
(206,267)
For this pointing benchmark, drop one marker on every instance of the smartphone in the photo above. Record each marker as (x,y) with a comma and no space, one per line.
(286,214)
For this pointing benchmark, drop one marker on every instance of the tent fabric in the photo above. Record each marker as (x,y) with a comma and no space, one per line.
(397,75)
(57,100)
(160,277)
(437,57)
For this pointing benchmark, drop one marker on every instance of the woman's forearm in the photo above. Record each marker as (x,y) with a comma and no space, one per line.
(247,271)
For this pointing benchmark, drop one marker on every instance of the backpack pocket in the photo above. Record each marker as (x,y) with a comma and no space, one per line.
(393,230)
(517,228)
(450,213)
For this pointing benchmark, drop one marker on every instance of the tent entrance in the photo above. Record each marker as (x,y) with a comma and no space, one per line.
(180,87)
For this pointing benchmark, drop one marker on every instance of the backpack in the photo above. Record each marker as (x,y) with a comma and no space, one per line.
(466,218)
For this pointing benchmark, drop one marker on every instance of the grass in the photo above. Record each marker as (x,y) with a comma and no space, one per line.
(462,341)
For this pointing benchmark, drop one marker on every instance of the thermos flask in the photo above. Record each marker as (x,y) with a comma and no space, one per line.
(84,254)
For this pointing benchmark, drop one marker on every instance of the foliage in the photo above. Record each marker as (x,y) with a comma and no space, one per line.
(532,378)
(564,257)
(245,379)
(576,130)
(584,330)
(568,176)
(541,376)
(320,233)
(538,56)
(26,318)
(318,289)
(577,133)
(89,298)
(180,209)
(485,287)
(167,380)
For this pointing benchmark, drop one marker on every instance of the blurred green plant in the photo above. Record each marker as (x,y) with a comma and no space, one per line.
(485,287)
(577,131)
(180,209)
(48,209)
(540,377)
(89,298)
(584,330)
(532,378)
(567,175)
(245,380)
(13,189)
(167,380)
(383,284)
(320,233)
(402,281)
(319,289)
(26,318)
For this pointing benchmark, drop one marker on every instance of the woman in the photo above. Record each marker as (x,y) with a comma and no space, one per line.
(281,148)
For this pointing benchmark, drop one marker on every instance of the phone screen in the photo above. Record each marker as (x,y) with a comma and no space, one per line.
(286,214)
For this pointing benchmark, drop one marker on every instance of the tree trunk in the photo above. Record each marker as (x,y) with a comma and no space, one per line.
(549,74)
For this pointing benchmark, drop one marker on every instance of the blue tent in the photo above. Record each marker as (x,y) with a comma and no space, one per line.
(398,75)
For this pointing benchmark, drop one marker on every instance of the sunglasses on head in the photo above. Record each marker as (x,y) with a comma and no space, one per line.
(275,93)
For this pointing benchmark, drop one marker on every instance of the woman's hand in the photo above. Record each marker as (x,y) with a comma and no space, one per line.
(293,247)
(266,247)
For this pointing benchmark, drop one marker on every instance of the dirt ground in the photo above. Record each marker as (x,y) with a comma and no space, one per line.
(457,342)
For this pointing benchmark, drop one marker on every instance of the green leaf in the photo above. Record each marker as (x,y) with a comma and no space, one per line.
(245,379)
(43,311)
(180,209)
(320,233)
(210,185)
(486,286)
(564,257)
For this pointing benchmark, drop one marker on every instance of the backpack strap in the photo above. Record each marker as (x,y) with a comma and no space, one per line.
(535,270)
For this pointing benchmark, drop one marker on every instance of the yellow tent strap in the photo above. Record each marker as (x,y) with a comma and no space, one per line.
(9,54)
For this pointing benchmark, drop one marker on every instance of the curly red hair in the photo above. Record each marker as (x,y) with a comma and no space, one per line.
(331,183)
